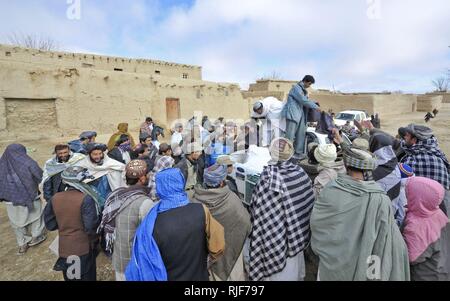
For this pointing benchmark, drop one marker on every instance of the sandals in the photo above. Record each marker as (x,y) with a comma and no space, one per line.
(22,250)
(38,240)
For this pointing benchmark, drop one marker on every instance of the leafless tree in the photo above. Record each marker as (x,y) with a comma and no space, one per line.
(441,84)
(35,41)
(274,75)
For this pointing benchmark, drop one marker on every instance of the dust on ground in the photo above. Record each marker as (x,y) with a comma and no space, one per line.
(38,262)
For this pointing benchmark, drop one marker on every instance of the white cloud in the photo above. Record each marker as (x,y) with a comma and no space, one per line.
(333,39)
(240,40)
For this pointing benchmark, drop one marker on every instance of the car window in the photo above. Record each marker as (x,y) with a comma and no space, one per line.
(311,137)
(358,117)
(345,116)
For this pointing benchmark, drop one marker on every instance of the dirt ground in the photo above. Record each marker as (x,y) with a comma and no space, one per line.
(38,262)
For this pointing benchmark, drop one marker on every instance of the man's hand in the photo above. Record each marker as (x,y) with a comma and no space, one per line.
(368,125)
(337,137)
(359,126)
(318,109)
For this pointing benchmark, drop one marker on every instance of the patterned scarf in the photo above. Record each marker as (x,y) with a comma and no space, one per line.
(53,167)
(116,203)
(162,163)
(427,160)
(280,210)
(126,147)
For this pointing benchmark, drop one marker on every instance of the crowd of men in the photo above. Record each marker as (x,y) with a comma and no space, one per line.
(376,210)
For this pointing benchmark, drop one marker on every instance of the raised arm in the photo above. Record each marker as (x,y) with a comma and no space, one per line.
(299,96)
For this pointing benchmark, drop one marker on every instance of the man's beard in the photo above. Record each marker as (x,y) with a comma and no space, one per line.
(100,162)
(63,159)
(404,145)
(192,160)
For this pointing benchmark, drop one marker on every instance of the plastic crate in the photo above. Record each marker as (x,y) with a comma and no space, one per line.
(250,184)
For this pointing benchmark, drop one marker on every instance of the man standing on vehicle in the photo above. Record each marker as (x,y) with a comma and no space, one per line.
(295,112)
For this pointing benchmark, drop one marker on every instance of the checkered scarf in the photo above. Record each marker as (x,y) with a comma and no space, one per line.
(428,161)
(162,163)
(359,159)
(280,211)
(116,203)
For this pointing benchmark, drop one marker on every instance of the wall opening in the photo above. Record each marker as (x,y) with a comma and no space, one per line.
(157,72)
(30,115)
(118,69)
(8,53)
(185,75)
(172,110)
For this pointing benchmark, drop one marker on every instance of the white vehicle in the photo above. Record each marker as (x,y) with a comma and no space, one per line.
(342,117)
(249,165)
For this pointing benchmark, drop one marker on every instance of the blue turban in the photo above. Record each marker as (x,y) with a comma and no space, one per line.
(215,175)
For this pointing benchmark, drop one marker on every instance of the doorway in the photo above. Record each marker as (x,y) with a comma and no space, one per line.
(172,110)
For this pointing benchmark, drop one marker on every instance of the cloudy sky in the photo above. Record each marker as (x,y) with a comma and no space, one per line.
(351,45)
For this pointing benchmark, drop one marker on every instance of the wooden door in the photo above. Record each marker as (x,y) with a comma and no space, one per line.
(172,110)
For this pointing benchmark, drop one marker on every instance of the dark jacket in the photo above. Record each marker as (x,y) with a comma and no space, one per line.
(52,186)
(232,185)
(116,154)
(75,216)
(154,151)
(151,159)
(177,159)
(181,239)
(199,166)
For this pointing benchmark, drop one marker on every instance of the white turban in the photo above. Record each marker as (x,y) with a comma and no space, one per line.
(325,153)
